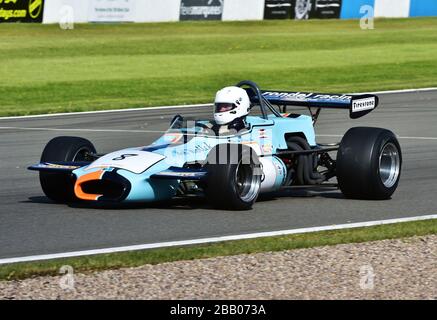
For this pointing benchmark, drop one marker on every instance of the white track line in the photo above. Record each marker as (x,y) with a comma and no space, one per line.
(81,130)
(105,111)
(210,240)
(400,91)
(183,106)
(418,138)
(399,137)
(157,131)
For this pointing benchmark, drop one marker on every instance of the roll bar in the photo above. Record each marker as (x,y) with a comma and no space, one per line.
(263,103)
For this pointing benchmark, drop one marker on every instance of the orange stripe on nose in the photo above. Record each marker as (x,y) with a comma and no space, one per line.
(97,175)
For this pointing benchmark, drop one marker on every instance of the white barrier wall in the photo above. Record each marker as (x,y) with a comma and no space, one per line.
(81,11)
(157,10)
(243,10)
(55,10)
(145,10)
(392,8)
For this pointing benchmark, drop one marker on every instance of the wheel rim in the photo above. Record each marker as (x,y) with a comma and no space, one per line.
(81,154)
(389,165)
(247,183)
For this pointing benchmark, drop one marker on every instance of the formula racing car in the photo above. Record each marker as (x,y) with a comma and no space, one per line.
(253,145)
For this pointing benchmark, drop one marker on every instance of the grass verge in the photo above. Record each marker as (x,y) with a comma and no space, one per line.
(155,256)
(104,66)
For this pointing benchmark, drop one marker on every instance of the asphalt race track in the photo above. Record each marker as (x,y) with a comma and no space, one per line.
(30,224)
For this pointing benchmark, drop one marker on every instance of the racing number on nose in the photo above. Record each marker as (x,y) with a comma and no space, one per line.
(124,156)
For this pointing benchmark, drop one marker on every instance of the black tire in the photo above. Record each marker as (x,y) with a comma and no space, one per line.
(59,187)
(233,181)
(369,163)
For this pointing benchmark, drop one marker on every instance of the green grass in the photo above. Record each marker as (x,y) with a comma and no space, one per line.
(103,66)
(155,256)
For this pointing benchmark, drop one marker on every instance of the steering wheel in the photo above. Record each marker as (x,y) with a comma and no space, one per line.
(202,125)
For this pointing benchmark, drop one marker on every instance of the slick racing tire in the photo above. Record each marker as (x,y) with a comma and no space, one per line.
(369,163)
(233,177)
(59,187)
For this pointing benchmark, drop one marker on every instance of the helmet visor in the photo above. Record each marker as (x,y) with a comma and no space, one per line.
(224,107)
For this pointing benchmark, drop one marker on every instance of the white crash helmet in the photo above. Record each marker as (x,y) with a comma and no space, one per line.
(230,103)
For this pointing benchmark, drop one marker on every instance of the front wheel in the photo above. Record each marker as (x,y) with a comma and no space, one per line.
(369,163)
(234,177)
(59,187)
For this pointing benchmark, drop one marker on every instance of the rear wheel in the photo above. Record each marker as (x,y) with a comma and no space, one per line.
(369,163)
(234,177)
(59,187)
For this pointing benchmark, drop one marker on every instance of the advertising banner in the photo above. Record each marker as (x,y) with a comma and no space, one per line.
(111,11)
(275,9)
(316,9)
(21,10)
(302,9)
(201,10)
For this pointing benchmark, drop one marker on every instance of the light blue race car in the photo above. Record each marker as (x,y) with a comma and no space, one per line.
(263,149)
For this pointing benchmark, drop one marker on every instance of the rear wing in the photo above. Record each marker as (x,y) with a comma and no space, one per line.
(358,105)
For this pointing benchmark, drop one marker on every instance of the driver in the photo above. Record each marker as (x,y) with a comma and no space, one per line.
(231,106)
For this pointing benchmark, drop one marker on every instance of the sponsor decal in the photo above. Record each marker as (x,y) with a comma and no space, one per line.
(201,9)
(21,10)
(267,148)
(57,166)
(254,145)
(303,96)
(363,104)
(181,174)
(198,148)
(262,134)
